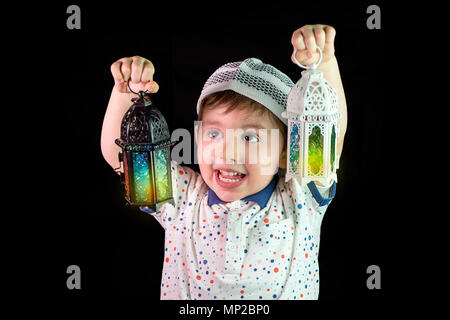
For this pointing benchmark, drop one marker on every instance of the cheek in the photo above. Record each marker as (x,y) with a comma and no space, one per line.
(209,153)
(204,154)
(205,170)
(268,159)
(262,154)
(259,175)
(199,152)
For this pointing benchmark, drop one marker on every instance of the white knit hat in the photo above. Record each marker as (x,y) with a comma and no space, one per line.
(255,80)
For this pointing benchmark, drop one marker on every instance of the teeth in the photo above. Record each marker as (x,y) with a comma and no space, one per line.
(228,174)
(228,180)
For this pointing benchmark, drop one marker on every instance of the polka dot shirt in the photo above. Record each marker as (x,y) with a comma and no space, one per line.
(239,250)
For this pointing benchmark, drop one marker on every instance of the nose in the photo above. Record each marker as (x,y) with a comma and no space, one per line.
(232,151)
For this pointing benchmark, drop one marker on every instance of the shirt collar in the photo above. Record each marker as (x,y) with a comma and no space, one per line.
(261,197)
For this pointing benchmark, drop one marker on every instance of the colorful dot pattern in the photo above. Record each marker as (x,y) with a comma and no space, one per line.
(238,250)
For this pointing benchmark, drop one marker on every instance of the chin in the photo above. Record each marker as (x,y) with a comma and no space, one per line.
(228,196)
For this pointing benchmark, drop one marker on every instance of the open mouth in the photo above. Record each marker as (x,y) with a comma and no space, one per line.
(229,179)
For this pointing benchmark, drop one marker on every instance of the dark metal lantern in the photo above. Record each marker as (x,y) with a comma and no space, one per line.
(145,142)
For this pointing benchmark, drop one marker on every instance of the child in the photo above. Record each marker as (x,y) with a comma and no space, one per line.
(237,230)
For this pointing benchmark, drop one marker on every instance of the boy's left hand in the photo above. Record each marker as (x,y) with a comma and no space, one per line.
(308,38)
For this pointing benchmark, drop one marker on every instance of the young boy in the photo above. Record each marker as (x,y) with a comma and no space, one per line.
(238,230)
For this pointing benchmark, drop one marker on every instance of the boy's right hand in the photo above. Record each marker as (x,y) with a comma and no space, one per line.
(136,69)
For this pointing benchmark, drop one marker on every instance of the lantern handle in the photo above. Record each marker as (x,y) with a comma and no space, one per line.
(138,93)
(141,94)
(128,84)
(312,66)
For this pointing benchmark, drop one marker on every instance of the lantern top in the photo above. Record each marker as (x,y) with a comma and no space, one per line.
(144,96)
(143,123)
(312,95)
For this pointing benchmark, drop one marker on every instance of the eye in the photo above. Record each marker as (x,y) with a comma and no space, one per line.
(213,134)
(251,137)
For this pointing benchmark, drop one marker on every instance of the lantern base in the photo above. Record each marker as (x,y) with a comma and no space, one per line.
(160,204)
(303,181)
(153,206)
(325,181)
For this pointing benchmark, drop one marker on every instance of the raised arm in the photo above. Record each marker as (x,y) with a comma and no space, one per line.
(140,73)
(306,40)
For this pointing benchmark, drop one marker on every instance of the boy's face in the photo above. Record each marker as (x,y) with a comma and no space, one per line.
(238,152)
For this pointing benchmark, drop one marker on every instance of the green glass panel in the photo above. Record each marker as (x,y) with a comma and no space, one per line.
(162,174)
(315,151)
(294,148)
(333,148)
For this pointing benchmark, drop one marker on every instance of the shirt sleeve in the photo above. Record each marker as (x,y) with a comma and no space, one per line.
(312,199)
(322,195)
(184,181)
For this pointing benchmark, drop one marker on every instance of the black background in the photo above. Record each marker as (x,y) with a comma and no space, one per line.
(119,248)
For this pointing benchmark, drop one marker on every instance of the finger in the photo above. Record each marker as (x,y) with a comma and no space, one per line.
(297,40)
(308,38)
(299,55)
(125,68)
(136,69)
(330,34)
(294,54)
(116,73)
(148,71)
(319,35)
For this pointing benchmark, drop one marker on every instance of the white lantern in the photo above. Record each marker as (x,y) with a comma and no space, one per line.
(312,113)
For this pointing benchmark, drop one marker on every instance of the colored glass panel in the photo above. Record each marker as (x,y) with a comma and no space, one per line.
(294,148)
(333,148)
(142,180)
(315,151)
(125,172)
(162,174)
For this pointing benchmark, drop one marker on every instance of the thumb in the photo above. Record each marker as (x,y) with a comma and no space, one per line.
(305,57)
(152,87)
